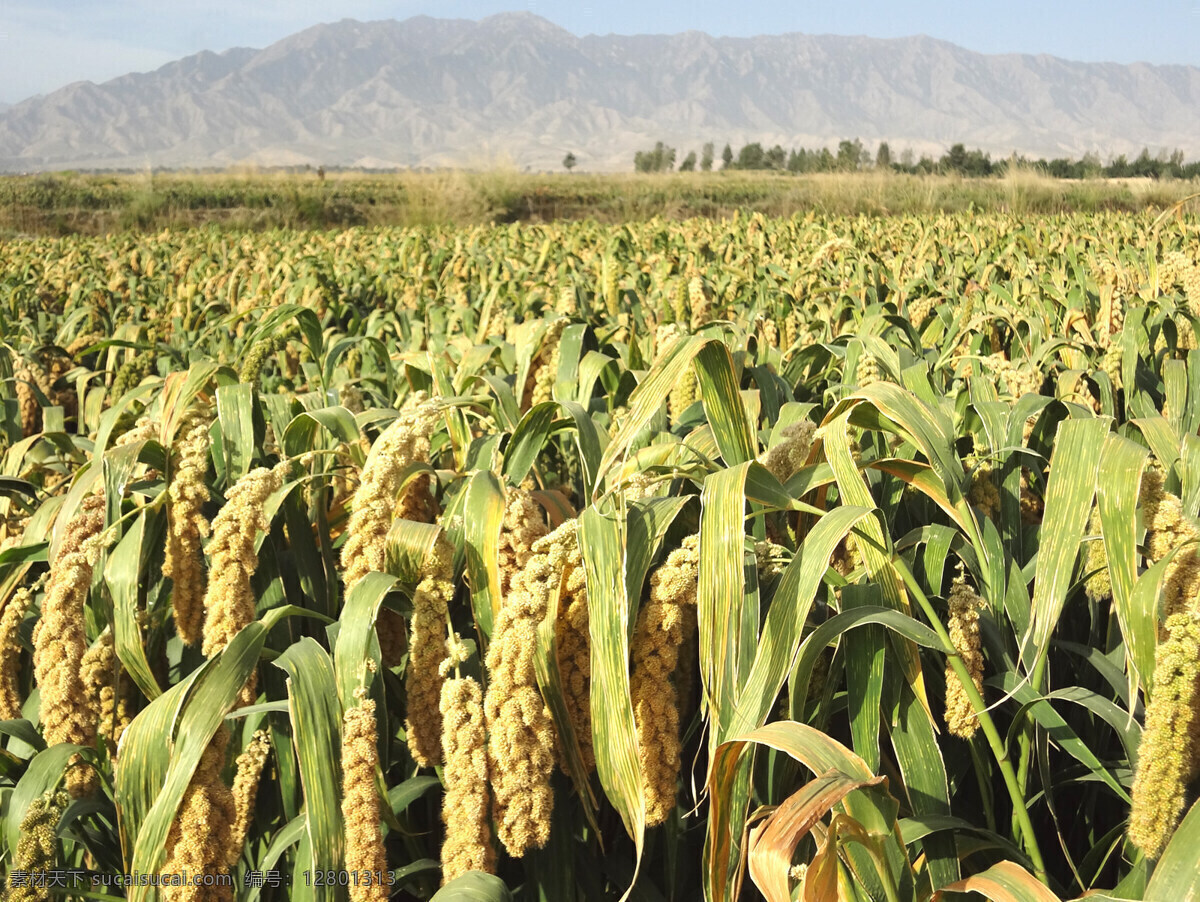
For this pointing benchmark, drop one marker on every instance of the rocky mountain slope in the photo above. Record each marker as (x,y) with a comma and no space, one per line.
(514,89)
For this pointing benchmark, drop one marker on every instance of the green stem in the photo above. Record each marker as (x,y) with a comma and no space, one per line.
(985,788)
(1026,737)
(994,740)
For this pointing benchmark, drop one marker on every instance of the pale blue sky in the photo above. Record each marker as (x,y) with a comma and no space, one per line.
(45,45)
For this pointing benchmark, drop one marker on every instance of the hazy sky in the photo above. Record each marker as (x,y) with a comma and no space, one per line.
(51,43)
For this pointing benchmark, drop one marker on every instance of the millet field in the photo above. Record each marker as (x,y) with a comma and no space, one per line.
(819,557)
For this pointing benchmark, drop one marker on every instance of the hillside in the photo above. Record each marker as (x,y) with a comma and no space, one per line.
(516,89)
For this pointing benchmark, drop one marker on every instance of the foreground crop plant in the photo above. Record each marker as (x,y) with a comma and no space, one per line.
(847,557)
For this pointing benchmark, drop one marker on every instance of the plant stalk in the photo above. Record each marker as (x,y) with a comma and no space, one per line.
(994,740)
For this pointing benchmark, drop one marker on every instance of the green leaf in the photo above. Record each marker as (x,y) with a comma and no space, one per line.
(44,772)
(782,631)
(1073,468)
(357,628)
(1117,490)
(1176,875)
(212,695)
(317,736)
(864,655)
(925,783)
(473,886)
(723,405)
(145,758)
(404,794)
(602,541)
(284,839)
(483,518)
(649,397)
(527,442)
(300,433)
(123,575)
(235,411)
(721,593)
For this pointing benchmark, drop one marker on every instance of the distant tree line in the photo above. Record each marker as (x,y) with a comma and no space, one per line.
(852,156)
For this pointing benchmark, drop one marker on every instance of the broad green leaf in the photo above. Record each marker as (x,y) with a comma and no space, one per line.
(723,404)
(284,839)
(1176,875)
(357,629)
(473,886)
(925,782)
(235,411)
(1117,490)
(865,651)
(527,442)
(213,694)
(1073,468)
(721,593)
(122,573)
(602,541)
(483,518)
(301,432)
(44,772)
(317,735)
(873,543)
(649,396)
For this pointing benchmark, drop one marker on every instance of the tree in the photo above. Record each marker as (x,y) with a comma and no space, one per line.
(775,158)
(569,161)
(750,157)
(849,154)
(689,162)
(727,157)
(660,159)
(967,162)
(883,156)
(706,157)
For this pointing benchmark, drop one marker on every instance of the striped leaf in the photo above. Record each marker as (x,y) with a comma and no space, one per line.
(1002,882)
(602,540)
(782,633)
(317,735)
(121,573)
(1117,489)
(925,781)
(1073,468)
(356,633)
(235,413)
(721,594)
(649,396)
(873,543)
(483,517)
(865,651)
(144,757)
(724,406)
(1176,875)
(211,697)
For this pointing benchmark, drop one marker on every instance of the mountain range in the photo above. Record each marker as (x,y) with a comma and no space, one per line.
(514,89)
